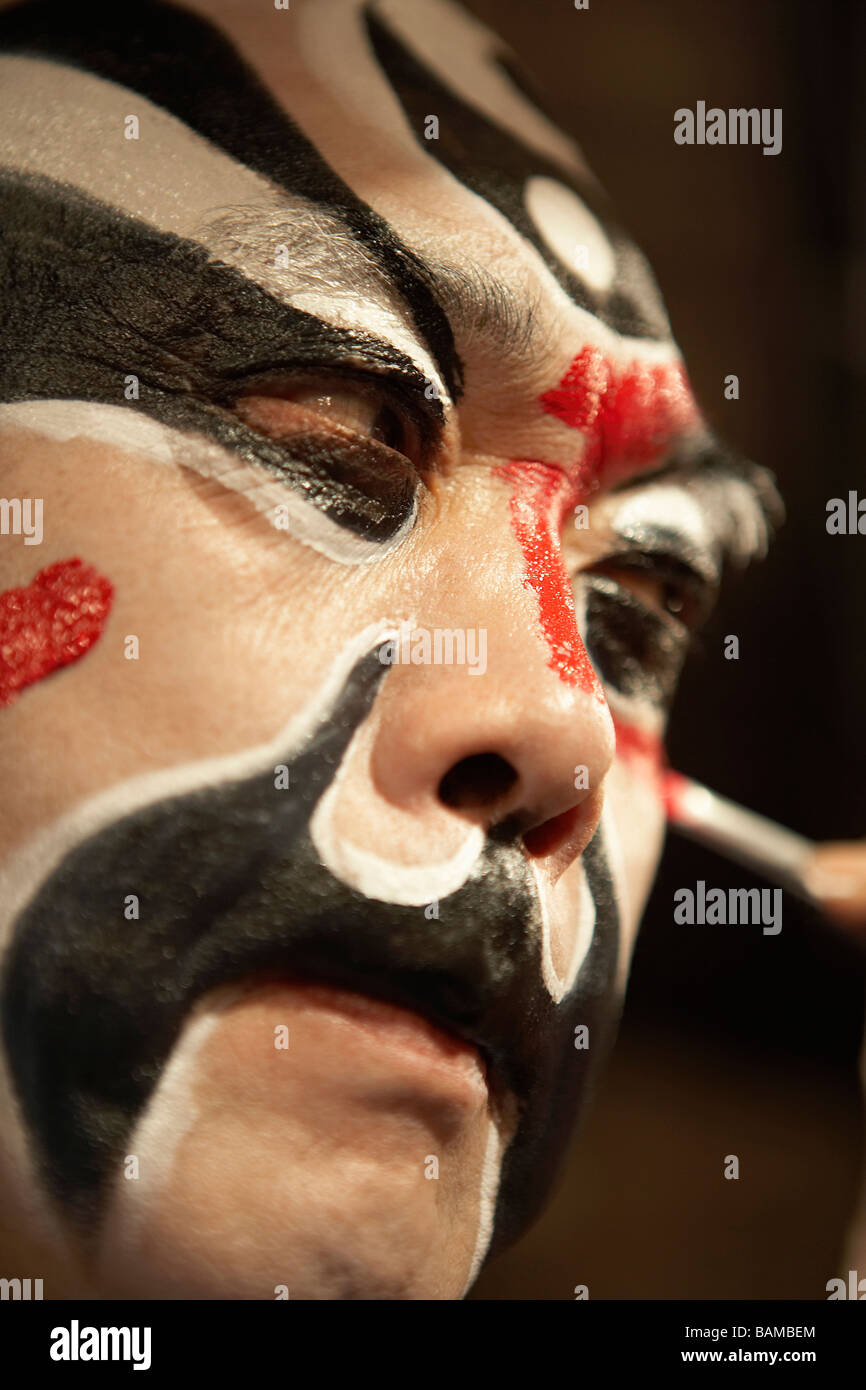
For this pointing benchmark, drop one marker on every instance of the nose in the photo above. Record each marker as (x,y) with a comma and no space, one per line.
(512,744)
(450,751)
(530,737)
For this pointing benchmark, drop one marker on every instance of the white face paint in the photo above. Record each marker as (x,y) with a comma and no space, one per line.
(498,1136)
(380,878)
(132,431)
(170,1116)
(461,51)
(21,874)
(66,125)
(571,231)
(564,940)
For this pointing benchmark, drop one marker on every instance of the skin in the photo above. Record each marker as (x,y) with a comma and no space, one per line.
(308,1168)
(837,877)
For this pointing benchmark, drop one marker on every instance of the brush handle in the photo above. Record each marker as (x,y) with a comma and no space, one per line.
(749,839)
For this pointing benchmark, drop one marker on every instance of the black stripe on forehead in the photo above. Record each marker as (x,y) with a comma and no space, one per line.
(184,64)
(91,295)
(496,165)
(230,887)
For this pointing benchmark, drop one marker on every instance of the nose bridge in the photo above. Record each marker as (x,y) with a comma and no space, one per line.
(540,496)
(499,595)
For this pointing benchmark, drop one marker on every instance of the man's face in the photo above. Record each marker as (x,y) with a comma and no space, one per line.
(376,515)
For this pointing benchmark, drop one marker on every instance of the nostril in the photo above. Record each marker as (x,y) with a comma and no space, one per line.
(477,782)
(545,839)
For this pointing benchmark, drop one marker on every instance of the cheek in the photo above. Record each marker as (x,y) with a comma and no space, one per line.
(207,639)
(634,810)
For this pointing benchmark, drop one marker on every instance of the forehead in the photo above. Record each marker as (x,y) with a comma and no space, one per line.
(389,152)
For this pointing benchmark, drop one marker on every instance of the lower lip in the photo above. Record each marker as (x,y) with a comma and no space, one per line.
(408,1039)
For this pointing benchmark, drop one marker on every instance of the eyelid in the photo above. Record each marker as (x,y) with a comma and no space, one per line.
(659,562)
(662,565)
(401,390)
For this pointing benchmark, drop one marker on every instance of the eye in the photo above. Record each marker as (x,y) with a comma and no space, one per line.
(672,591)
(641,615)
(356,443)
(283,410)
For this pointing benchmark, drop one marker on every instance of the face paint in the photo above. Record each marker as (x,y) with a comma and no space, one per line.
(50,623)
(540,497)
(195,331)
(630,416)
(232,889)
(497,164)
(645,746)
(165,269)
(185,65)
(629,420)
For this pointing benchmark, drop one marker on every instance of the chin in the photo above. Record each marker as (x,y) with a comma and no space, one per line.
(358,1162)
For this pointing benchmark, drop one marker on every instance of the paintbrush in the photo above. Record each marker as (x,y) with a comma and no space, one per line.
(755,841)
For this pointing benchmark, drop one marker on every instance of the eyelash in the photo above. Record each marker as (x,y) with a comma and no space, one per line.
(636,648)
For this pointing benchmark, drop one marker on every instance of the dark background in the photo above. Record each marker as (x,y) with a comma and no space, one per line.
(733,1042)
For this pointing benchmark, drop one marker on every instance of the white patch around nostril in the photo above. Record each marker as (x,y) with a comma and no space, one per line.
(385,880)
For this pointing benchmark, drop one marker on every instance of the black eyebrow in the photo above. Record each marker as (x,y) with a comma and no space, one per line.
(197,331)
(713,461)
(683,460)
(186,65)
(474,300)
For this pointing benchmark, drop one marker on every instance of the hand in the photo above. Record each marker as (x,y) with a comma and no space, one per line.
(837,878)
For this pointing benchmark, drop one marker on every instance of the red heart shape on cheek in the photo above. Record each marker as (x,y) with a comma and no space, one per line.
(51,622)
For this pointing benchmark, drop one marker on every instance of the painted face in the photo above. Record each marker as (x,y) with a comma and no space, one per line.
(376,513)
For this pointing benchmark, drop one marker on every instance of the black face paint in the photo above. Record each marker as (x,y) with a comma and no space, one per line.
(230,887)
(184,64)
(90,293)
(635,651)
(229,881)
(496,165)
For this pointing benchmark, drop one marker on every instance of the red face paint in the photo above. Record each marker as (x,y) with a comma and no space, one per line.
(540,496)
(636,745)
(629,415)
(50,623)
(674,788)
(635,742)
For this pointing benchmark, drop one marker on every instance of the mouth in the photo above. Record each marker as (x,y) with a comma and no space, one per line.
(360,1024)
(418,1043)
